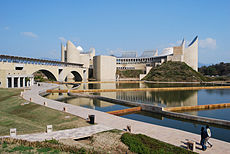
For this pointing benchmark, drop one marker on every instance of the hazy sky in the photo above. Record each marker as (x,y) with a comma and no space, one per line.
(36,28)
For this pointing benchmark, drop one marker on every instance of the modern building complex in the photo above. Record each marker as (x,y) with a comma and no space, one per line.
(72,54)
(130,60)
(77,65)
(189,55)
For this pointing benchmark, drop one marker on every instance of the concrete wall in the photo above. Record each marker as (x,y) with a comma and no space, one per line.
(73,55)
(147,70)
(85,59)
(63,53)
(104,68)
(5,74)
(191,54)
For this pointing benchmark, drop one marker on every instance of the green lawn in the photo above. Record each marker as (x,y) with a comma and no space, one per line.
(31,118)
(139,143)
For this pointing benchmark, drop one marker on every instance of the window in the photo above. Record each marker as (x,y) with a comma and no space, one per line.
(18,68)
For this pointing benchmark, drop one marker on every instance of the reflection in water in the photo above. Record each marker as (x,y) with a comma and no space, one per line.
(161,98)
(79,101)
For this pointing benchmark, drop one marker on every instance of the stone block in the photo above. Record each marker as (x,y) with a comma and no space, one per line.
(13,132)
(191,145)
(49,128)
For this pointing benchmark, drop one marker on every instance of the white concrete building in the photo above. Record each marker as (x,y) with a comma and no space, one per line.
(104,68)
(72,54)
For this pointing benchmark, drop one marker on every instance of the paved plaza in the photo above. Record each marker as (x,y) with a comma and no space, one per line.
(169,135)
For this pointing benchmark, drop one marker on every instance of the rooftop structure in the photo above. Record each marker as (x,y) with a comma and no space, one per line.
(149,53)
(129,54)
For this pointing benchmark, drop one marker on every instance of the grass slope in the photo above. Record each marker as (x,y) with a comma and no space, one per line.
(174,72)
(139,143)
(31,118)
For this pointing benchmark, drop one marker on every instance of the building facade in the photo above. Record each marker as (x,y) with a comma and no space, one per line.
(189,55)
(72,54)
(129,60)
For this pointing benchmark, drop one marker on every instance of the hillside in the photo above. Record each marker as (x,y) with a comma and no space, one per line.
(174,72)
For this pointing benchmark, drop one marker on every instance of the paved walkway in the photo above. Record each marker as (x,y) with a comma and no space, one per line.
(169,135)
(75,133)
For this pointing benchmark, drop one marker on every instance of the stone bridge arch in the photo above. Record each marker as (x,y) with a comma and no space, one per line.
(17,72)
(48,74)
(71,75)
(49,71)
(59,73)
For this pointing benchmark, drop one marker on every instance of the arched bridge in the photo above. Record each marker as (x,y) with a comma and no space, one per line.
(18,71)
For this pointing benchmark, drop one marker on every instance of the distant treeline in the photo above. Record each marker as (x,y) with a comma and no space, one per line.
(221,69)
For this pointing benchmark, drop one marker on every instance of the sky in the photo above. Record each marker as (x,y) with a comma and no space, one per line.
(36,28)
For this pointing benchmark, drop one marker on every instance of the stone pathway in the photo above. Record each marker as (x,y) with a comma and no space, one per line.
(75,133)
(170,135)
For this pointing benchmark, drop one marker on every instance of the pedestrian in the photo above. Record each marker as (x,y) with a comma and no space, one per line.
(203,137)
(208,132)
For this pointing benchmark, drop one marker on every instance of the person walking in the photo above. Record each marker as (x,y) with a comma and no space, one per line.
(208,132)
(202,140)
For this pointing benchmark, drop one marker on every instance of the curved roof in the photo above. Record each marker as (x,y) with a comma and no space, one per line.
(194,40)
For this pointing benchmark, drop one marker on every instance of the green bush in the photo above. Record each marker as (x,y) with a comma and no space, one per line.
(143,144)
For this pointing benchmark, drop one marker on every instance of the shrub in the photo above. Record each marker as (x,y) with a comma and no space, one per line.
(139,143)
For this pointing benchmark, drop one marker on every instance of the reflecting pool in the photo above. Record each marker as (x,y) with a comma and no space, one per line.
(161,98)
